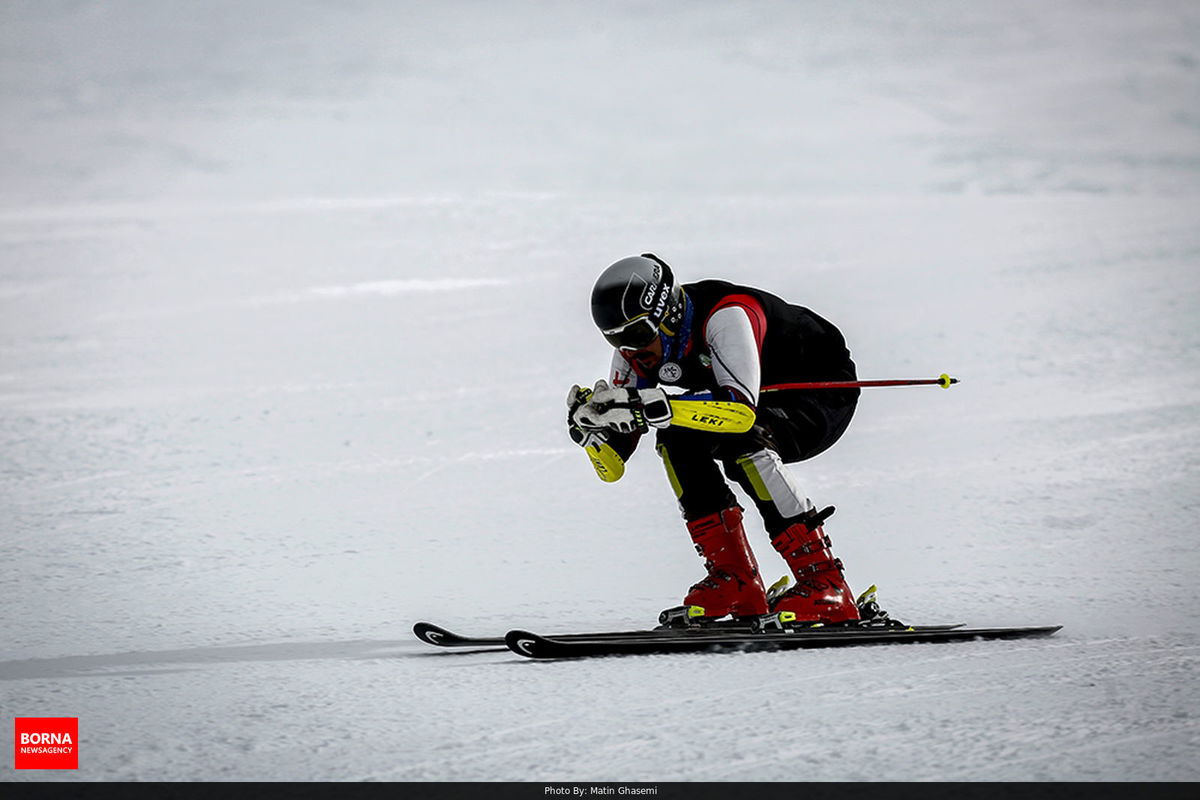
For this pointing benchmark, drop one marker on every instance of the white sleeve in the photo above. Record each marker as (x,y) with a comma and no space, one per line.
(621,374)
(735,358)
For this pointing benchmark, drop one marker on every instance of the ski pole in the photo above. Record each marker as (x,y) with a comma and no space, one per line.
(944,381)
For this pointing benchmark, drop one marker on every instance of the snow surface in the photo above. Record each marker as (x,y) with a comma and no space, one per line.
(291,295)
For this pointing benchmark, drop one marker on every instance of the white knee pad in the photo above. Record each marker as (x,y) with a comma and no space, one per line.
(774,482)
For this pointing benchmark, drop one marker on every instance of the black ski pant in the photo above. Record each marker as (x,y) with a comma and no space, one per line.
(807,425)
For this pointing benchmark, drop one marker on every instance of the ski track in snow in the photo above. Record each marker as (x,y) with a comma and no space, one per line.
(289,304)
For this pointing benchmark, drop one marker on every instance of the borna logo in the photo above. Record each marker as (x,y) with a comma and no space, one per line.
(46,743)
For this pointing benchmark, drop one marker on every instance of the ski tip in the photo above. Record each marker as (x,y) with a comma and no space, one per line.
(427,632)
(433,634)
(524,643)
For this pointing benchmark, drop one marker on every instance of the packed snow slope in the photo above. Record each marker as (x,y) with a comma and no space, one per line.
(291,295)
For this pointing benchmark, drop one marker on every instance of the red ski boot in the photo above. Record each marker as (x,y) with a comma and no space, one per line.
(820,593)
(733,585)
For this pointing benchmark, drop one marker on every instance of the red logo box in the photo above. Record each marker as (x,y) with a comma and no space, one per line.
(47,743)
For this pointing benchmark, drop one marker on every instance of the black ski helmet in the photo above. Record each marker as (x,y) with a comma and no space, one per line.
(635,299)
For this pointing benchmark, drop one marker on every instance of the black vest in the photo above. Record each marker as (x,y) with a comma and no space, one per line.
(798,346)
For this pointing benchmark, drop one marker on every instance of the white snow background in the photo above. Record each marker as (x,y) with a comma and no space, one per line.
(291,294)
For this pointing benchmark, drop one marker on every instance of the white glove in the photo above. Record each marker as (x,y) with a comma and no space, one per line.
(576,398)
(623,410)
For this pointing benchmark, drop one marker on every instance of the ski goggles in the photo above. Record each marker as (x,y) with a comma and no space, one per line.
(636,334)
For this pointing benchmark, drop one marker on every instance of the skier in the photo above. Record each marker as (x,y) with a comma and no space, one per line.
(733,350)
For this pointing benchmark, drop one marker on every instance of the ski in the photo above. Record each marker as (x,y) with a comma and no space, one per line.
(442,637)
(532,645)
